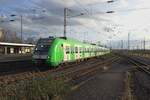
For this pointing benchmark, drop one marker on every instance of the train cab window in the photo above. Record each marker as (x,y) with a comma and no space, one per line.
(43,46)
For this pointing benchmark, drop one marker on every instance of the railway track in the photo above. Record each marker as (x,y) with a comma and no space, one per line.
(8,79)
(140,85)
(17,67)
(80,77)
(140,65)
(140,79)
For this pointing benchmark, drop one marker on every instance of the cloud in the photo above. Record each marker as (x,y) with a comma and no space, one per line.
(45,17)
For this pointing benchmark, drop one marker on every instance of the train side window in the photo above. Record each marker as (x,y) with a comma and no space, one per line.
(67,49)
(72,49)
(80,49)
(84,50)
(76,49)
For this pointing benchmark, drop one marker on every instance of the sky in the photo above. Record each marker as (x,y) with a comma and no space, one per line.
(43,18)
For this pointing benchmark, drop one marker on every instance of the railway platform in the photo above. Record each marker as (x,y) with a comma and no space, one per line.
(107,85)
(15,57)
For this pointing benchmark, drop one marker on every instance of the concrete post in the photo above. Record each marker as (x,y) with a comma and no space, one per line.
(5,50)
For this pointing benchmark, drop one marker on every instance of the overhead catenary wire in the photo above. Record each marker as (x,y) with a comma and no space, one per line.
(133,9)
(81,6)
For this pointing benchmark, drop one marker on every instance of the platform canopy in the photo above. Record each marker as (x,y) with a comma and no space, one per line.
(16,44)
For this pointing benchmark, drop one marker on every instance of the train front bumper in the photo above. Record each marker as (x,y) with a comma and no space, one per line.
(39,59)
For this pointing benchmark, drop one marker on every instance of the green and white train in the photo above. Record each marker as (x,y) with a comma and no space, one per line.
(55,51)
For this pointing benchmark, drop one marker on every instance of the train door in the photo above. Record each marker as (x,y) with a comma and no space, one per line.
(83,51)
(72,53)
(80,52)
(77,53)
(66,52)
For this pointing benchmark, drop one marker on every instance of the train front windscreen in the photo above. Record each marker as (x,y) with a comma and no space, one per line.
(42,47)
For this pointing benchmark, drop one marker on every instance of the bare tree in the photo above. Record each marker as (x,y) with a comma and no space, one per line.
(9,36)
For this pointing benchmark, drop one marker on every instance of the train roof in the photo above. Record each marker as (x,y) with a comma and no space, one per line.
(82,43)
(16,44)
(71,40)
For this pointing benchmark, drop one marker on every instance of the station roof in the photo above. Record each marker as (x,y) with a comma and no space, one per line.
(16,44)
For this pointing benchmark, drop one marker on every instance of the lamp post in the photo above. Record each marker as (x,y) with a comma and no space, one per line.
(128,41)
(21,25)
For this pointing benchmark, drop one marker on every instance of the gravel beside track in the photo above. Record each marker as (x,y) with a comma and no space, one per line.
(140,78)
(100,78)
(141,85)
(108,85)
(141,59)
(29,74)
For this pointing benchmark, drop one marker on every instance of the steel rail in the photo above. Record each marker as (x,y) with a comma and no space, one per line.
(88,73)
(141,65)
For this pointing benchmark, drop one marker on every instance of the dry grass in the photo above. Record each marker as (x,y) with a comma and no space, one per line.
(128,84)
(36,89)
